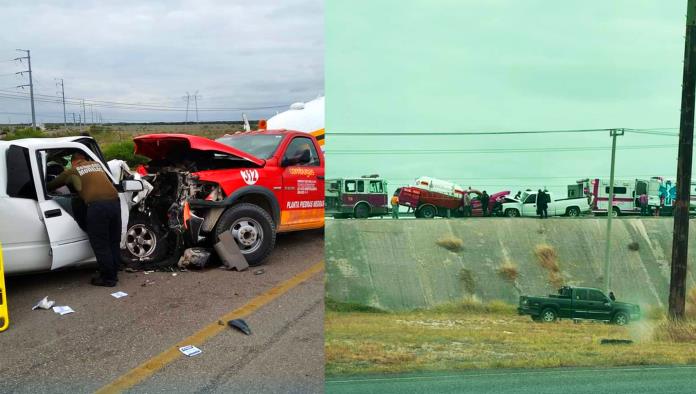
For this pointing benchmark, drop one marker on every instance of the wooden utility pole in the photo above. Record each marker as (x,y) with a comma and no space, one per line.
(680,241)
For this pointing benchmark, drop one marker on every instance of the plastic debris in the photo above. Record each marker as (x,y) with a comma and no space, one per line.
(240,325)
(147,282)
(229,253)
(44,304)
(119,294)
(148,272)
(259,272)
(62,310)
(174,274)
(190,350)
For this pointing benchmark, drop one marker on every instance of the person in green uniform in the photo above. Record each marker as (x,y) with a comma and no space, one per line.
(103,217)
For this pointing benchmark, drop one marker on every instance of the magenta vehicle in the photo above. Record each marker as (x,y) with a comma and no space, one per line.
(429,204)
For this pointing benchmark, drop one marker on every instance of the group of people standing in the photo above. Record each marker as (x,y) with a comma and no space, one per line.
(485,200)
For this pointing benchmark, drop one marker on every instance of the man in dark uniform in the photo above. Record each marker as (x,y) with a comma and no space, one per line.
(103,218)
(485,200)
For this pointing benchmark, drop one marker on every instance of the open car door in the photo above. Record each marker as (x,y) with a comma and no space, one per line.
(69,243)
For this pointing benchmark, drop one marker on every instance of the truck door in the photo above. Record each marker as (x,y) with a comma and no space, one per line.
(529,205)
(580,304)
(303,186)
(69,243)
(598,306)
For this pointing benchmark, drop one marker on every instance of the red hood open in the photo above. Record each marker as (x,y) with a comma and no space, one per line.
(160,146)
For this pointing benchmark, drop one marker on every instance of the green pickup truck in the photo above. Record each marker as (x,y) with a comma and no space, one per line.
(578,303)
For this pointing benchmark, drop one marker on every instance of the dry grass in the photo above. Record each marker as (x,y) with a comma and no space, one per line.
(443,340)
(547,257)
(451,243)
(468,280)
(676,331)
(509,271)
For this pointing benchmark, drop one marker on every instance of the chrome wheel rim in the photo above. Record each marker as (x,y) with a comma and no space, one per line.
(248,234)
(548,316)
(141,241)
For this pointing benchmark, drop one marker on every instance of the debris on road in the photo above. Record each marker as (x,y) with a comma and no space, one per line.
(119,294)
(130,270)
(174,274)
(147,282)
(190,350)
(240,325)
(62,310)
(259,272)
(616,341)
(230,255)
(44,304)
(194,257)
(148,272)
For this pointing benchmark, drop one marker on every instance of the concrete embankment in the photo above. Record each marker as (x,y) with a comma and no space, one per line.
(408,264)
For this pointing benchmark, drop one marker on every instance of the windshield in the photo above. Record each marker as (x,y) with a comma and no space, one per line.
(262,146)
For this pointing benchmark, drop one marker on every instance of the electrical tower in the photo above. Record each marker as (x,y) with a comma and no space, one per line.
(62,92)
(195,100)
(188,100)
(30,84)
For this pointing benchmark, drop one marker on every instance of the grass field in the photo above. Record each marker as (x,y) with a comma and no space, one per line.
(492,337)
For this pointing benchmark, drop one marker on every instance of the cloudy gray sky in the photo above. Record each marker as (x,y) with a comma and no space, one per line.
(236,54)
(503,65)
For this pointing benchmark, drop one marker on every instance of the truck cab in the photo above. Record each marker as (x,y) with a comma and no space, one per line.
(40,230)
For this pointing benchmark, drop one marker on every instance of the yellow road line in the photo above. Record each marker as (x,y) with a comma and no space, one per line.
(149,367)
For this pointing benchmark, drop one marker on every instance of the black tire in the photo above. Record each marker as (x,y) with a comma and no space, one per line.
(361,211)
(145,241)
(428,212)
(512,213)
(548,315)
(573,212)
(252,223)
(615,212)
(620,318)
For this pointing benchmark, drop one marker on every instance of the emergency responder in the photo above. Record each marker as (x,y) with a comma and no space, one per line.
(103,219)
(466,204)
(485,200)
(395,205)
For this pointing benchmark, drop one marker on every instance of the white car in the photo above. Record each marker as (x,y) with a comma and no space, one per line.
(527,206)
(38,230)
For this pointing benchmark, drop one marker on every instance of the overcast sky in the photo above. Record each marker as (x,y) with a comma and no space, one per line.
(503,65)
(236,54)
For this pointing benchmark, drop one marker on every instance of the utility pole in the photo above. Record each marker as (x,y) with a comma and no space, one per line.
(83,118)
(73,119)
(31,83)
(188,100)
(62,91)
(613,133)
(680,241)
(195,100)
(91,111)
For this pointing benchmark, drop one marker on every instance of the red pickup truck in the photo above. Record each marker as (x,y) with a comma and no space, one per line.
(252,184)
(429,204)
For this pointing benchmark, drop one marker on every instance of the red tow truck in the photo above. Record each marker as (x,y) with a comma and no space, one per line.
(431,198)
(252,184)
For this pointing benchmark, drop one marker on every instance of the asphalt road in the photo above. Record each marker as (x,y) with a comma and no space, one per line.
(107,338)
(667,379)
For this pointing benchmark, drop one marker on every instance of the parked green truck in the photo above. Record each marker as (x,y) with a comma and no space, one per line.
(578,303)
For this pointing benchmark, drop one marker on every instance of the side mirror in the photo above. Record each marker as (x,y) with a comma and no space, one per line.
(130,185)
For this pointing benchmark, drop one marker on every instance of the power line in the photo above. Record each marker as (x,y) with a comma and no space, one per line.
(489,150)
(464,133)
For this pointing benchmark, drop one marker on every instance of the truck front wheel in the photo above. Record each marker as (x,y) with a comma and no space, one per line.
(620,319)
(145,241)
(548,315)
(428,212)
(512,213)
(252,228)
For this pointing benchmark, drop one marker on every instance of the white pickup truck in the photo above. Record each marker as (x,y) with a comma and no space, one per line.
(38,230)
(526,205)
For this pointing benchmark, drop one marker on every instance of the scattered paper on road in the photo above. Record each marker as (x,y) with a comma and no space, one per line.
(190,350)
(119,294)
(44,304)
(62,310)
